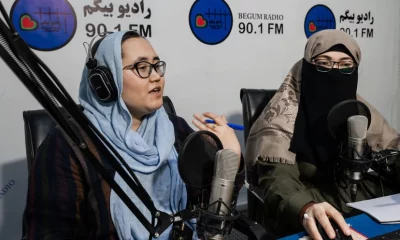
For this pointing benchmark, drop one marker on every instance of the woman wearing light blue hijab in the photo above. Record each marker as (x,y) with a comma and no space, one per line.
(67,199)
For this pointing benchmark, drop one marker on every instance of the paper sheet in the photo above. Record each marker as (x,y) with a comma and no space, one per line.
(386,210)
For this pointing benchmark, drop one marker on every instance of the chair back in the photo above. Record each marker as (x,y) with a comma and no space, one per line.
(253,103)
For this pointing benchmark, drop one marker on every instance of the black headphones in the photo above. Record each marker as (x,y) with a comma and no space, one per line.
(100,78)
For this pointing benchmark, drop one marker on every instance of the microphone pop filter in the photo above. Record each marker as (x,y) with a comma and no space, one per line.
(341,112)
(197,157)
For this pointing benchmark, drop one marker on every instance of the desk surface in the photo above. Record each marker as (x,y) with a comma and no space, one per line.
(362,224)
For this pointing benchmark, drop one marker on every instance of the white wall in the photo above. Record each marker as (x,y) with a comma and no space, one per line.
(201,77)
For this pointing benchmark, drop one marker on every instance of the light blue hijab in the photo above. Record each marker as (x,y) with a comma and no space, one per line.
(149,151)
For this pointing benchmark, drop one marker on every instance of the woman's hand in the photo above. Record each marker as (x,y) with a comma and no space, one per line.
(320,212)
(220,128)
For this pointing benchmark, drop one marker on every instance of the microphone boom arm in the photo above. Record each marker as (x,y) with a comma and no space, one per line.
(50,93)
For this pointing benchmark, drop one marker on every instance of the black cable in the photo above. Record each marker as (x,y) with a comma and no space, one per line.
(380,181)
(336,167)
(338,188)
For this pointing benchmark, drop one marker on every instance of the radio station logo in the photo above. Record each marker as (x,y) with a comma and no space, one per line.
(318,18)
(45,25)
(211,21)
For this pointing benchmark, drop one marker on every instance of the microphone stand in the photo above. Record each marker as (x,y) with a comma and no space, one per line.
(353,166)
(50,93)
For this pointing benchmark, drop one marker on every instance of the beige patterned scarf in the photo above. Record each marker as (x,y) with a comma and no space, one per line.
(270,136)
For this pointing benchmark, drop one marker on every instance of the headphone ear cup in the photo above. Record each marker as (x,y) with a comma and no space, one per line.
(102,83)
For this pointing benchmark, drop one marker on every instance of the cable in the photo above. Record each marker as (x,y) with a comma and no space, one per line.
(338,188)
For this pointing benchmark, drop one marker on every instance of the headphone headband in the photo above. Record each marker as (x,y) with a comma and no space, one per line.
(90,61)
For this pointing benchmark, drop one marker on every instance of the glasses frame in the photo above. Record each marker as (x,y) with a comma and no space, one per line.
(333,64)
(152,66)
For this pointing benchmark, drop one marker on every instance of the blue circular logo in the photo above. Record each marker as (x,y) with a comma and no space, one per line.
(211,21)
(44,25)
(318,18)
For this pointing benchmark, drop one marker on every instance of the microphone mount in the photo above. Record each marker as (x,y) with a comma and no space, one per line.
(213,222)
(360,165)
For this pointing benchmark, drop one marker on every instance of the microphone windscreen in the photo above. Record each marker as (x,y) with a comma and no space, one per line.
(357,127)
(197,157)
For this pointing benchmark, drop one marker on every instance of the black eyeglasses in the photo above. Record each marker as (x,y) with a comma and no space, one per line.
(325,65)
(144,69)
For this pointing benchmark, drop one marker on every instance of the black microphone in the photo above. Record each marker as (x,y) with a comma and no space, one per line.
(225,169)
(357,127)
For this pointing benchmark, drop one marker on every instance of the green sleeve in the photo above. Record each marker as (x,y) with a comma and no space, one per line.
(284,195)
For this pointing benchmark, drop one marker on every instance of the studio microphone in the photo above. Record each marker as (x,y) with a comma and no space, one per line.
(357,127)
(348,122)
(209,172)
(225,169)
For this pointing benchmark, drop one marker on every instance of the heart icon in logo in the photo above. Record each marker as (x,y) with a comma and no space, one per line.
(200,21)
(312,27)
(27,23)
